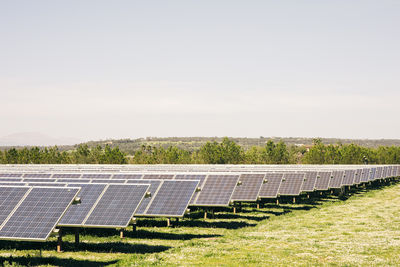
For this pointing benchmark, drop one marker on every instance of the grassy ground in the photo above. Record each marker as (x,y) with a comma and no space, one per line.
(362,230)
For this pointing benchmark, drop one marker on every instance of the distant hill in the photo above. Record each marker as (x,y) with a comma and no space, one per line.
(192,143)
(34,139)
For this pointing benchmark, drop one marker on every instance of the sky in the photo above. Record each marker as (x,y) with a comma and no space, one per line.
(128,69)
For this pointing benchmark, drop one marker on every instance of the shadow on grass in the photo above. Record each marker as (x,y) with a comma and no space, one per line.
(34,261)
(107,247)
(140,233)
(191,222)
(239,216)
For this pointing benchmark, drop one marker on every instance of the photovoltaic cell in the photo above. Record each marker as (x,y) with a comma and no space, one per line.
(200,177)
(172,199)
(10,175)
(158,176)
(323,179)
(291,184)
(76,214)
(249,188)
(348,178)
(357,176)
(38,180)
(108,181)
(154,185)
(270,189)
(10,179)
(372,174)
(73,180)
(66,175)
(36,175)
(117,205)
(9,199)
(38,214)
(217,190)
(96,176)
(336,179)
(127,176)
(309,182)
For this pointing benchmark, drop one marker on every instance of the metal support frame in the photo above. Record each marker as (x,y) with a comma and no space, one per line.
(76,237)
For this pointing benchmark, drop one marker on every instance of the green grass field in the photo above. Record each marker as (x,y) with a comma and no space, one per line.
(363,230)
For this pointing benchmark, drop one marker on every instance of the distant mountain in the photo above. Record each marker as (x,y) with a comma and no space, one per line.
(35,139)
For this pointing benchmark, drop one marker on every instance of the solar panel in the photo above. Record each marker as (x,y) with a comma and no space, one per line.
(66,175)
(291,184)
(372,174)
(36,175)
(96,176)
(271,187)
(109,181)
(37,180)
(10,175)
(378,173)
(158,176)
(217,190)
(348,178)
(309,182)
(127,176)
(249,188)
(46,184)
(10,179)
(73,180)
(9,199)
(322,182)
(38,213)
(172,199)
(154,186)
(357,176)
(200,177)
(89,195)
(336,179)
(117,205)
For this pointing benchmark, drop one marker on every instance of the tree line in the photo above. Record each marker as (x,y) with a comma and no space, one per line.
(224,152)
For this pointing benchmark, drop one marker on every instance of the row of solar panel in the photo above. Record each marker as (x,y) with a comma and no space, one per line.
(219,190)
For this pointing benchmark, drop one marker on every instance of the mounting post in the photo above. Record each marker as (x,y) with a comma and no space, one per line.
(277,201)
(168,222)
(76,237)
(294,200)
(205,214)
(59,241)
(121,233)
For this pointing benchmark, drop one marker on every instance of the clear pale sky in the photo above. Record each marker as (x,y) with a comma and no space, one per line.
(118,69)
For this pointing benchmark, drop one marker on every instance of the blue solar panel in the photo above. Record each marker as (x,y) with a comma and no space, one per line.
(76,214)
(37,215)
(117,205)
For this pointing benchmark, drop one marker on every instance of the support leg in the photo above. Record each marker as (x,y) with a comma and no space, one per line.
(59,241)
(169,222)
(121,233)
(76,237)
(205,214)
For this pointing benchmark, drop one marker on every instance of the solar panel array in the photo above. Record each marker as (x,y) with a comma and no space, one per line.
(112,195)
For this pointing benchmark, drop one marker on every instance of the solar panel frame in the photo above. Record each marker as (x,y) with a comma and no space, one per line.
(10,198)
(336,180)
(89,195)
(249,188)
(217,190)
(322,183)
(348,178)
(291,184)
(172,199)
(309,182)
(270,189)
(22,215)
(113,210)
(200,177)
(154,186)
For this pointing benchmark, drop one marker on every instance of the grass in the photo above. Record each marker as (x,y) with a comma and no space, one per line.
(362,230)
